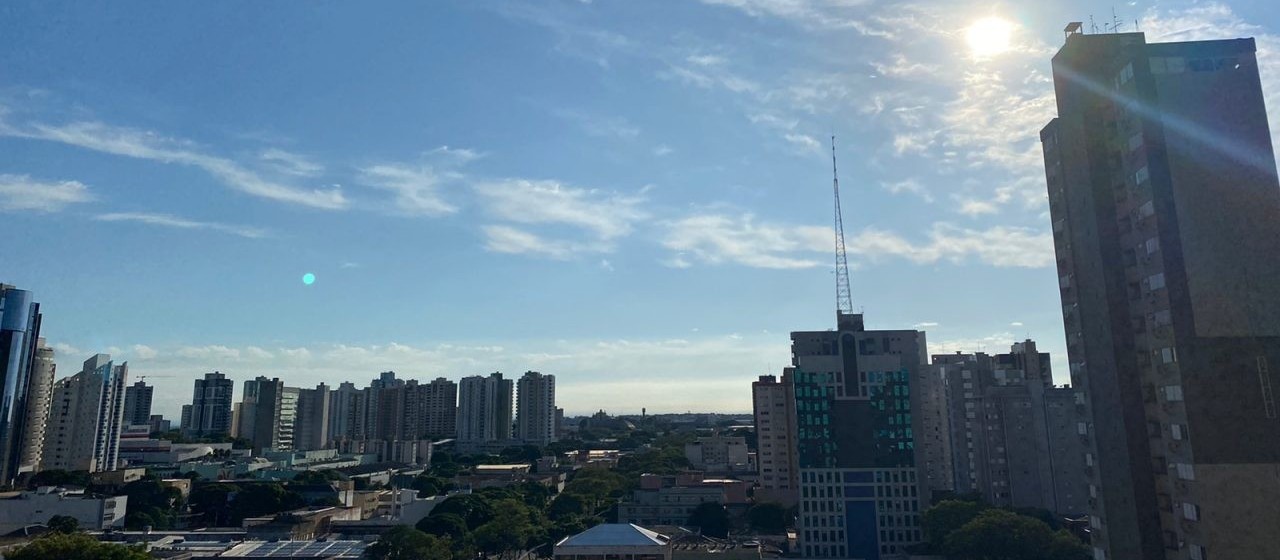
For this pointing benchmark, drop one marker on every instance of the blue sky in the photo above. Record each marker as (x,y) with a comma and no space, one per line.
(634,196)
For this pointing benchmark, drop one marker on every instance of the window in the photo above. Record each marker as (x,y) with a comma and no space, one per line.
(1152,245)
(1198,552)
(1172,393)
(1135,142)
(1167,355)
(1126,74)
(1146,210)
(1178,431)
(1141,176)
(1190,511)
(1155,281)
(1185,471)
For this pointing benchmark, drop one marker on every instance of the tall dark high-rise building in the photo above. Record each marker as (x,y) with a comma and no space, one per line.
(1163,192)
(861,488)
(19,338)
(137,404)
(312,426)
(211,406)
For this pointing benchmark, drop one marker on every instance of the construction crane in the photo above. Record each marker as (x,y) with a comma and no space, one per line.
(844,297)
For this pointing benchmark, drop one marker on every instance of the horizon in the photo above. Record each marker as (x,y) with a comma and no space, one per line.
(634,200)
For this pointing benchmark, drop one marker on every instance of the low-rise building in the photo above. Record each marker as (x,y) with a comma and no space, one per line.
(670,500)
(719,454)
(23,509)
(617,541)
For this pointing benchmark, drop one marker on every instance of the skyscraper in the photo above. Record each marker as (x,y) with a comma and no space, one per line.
(211,406)
(344,409)
(536,408)
(19,337)
(275,414)
(861,491)
(137,404)
(774,405)
(484,409)
(86,417)
(312,431)
(1015,436)
(1163,194)
(439,402)
(39,399)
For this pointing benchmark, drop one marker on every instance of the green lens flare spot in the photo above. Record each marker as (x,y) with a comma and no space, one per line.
(308,279)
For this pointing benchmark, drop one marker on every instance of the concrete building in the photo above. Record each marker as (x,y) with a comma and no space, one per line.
(312,426)
(774,403)
(39,399)
(23,509)
(86,418)
(19,339)
(861,487)
(670,500)
(343,411)
(211,406)
(719,454)
(438,402)
(137,404)
(274,414)
(484,409)
(1016,437)
(934,437)
(536,409)
(1163,195)
(246,411)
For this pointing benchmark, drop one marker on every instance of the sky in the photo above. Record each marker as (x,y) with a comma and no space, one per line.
(633,196)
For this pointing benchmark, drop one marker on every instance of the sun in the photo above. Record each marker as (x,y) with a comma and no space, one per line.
(989,36)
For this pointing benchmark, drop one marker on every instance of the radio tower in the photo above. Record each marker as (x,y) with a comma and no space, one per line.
(844,299)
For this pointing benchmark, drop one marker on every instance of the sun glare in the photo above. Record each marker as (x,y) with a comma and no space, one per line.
(989,36)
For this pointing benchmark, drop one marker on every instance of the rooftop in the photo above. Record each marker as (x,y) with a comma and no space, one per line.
(614,534)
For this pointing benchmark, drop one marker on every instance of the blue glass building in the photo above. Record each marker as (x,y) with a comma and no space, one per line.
(19,336)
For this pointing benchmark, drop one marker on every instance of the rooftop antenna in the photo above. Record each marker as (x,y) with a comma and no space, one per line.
(1116,24)
(1093,27)
(844,298)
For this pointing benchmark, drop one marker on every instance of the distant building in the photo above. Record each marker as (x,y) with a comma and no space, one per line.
(1016,437)
(862,490)
(774,403)
(536,409)
(86,418)
(670,500)
(719,454)
(19,338)
(312,426)
(344,411)
(1164,199)
(39,400)
(24,509)
(438,412)
(137,403)
(274,414)
(618,541)
(210,406)
(484,409)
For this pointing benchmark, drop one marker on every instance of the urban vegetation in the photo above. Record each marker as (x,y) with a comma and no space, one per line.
(967,529)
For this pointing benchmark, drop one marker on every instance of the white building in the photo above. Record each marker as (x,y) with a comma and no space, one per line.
(85,418)
(536,408)
(720,454)
(39,399)
(774,405)
(484,409)
(23,509)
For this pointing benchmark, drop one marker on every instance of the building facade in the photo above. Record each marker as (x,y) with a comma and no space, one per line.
(39,399)
(211,406)
(86,418)
(439,404)
(19,338)
(312,426)
(137,403)
(1163,194)
(1015,436)
(773,401)
(861,489)
(484,409)
(536,408)
(719,454)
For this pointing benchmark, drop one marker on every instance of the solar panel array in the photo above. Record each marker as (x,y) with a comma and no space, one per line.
(308,549)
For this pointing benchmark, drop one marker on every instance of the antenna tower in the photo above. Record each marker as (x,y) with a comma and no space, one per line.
(844,297)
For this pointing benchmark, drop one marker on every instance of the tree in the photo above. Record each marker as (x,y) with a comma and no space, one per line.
(712,518)
(449,525)
(63,524)
(509,530)
(997,534)
(257,500)
(474,509)
(407,543)
(58,477)
(78,546)
(151,504)
(429,485)
(323,476)
(213,502)
(768,518)
(567,504)
(944,518)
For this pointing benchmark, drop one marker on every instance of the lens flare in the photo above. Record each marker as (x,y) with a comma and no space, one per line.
(308,279)
(989,36)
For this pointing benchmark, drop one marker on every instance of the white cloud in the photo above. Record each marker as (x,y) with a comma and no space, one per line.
(601,126)
(991,344)
(977,207)
(910,186)
(143,352)
(21,192)
(416,188)
(662,150)
(601,217)
(718,239)
(290,163)
(166,220)
(998,246)
(829,14)
(924,325)
(147,145)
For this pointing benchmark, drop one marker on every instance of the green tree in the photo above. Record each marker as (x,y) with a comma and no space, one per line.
(407,543)
(997,534)
(58,477)
(213,503)
(151,503)
(257,500)
(473,508)
(322,476)
(77,546)
(520,454)
(768,518)
(510,529)
(712,518)
(63,524)
(944,518)
(429,485)
(567,504)
(449,525)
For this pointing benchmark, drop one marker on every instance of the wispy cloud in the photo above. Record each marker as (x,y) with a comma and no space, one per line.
(998,246)
(600,126)
(599,217)
(290,163)
(415,188)
(167,220)
(574,37)
(741,239)
(152,146)
(828,14)
(908,186)
(21,192)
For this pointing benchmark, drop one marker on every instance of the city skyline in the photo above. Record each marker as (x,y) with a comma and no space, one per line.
(587,230)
